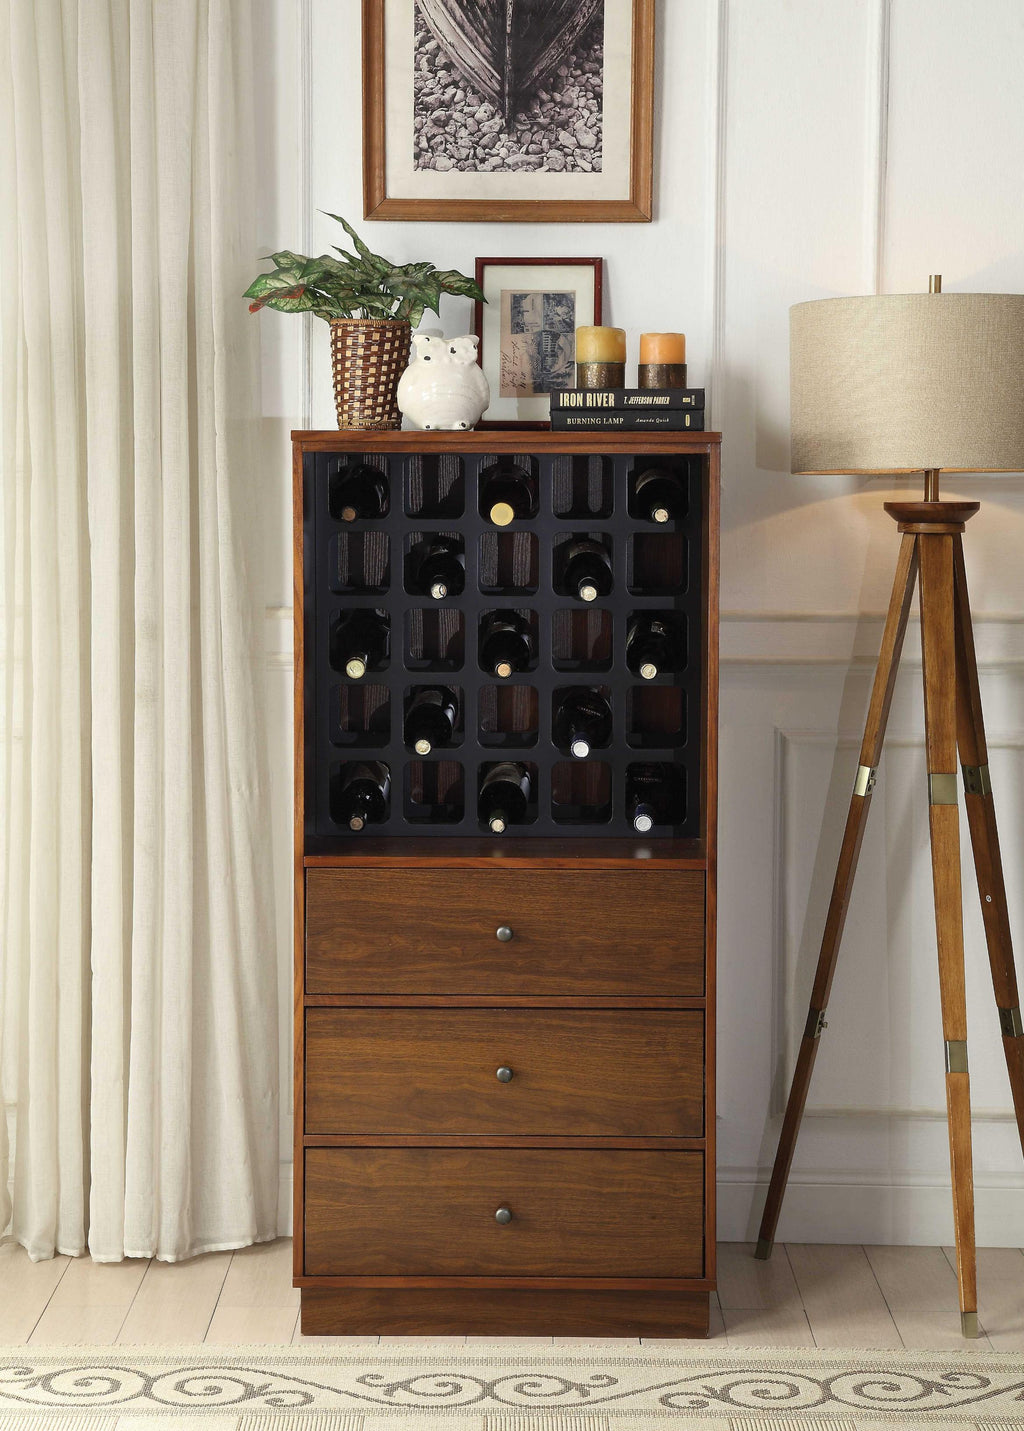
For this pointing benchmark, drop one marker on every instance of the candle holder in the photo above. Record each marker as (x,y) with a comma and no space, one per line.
(661,375)
(600,375)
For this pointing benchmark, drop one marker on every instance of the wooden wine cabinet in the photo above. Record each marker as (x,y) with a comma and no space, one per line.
(510,1134)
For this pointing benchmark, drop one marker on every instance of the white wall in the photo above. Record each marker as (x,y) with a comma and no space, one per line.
(805,149)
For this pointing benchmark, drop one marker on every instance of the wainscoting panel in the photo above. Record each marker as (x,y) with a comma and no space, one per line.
(885,1016)
(873,1150)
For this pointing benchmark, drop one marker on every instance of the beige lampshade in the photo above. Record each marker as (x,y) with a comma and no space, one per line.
(904,382)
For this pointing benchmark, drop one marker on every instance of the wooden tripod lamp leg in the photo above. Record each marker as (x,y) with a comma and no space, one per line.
(870,751)
(981,817)
(940,720)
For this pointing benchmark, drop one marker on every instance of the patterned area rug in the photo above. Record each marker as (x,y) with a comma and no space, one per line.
(587,1389)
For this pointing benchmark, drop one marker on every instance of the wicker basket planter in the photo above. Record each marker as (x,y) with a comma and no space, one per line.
(368,356)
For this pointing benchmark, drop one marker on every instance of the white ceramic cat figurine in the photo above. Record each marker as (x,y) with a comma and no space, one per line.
(443,387)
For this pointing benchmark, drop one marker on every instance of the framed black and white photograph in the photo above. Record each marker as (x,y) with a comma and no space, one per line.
(508,109)
(527,329)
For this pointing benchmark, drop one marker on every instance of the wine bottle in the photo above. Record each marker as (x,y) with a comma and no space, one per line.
(358,491)
(587,573)
(441,572)
(431,718)
(360,794)
(645,797)
(504,796)
(582,721)
(659,495)
(506,644)
(652,647)
(359,642)
(507,495)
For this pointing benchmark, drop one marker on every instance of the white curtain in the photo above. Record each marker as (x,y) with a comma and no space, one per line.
(138,1019)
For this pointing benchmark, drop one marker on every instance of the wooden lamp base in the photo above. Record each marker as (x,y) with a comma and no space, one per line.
(932,547)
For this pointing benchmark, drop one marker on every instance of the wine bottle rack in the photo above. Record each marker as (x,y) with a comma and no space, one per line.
(582,492)
(466,1001)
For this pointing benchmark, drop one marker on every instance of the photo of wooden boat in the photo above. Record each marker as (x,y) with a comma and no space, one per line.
(508,48)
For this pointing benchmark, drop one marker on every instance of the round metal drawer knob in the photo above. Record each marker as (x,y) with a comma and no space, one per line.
(504,1075)
(503,1215)
(504,933)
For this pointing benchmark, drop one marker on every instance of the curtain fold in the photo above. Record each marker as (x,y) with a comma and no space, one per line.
(138,1026)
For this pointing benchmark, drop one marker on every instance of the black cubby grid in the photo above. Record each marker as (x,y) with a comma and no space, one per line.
(325,754)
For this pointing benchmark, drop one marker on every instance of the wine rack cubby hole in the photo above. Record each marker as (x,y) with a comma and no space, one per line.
(372,565)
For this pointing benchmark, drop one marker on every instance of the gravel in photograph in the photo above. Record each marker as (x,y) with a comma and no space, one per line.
(560,130)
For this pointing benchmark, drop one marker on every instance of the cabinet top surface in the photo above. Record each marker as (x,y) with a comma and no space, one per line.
(488,852)
(504,439)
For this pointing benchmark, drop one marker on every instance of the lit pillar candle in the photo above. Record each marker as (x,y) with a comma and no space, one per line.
(662,360)
(600,357)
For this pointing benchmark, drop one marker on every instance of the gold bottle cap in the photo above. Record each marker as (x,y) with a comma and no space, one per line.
(580,749)
(503,669)
(496,824)
(648,670)
(588,591)
(356,823)
(422,747)
(660,514)
(643,823)
(439,590)
(355,669)
(349,514)
(502,514)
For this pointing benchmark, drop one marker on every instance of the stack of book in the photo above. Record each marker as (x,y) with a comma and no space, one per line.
(629,409)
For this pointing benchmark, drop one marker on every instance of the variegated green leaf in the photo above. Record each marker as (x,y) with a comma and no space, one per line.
(373,261)
(452,281)
(334,265)
(286,259)
(412,270)
(268,284)
(297,299)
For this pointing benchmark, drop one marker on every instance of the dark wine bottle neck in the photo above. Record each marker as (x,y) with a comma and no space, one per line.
(431,720)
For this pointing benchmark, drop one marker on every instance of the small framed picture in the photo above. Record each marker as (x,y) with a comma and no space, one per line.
(527,330)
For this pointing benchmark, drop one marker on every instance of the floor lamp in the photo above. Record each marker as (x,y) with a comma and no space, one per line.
(904,383)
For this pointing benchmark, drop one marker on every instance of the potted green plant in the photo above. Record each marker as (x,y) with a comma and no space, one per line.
(372,306)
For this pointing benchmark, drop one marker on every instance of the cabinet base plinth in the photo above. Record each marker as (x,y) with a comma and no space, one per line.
(517,1312)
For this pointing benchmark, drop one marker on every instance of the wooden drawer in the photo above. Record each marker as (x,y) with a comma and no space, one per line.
(434,931)
(431,1212)
(586,1073)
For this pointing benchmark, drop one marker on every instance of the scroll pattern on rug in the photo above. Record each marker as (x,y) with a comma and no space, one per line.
(894,1387)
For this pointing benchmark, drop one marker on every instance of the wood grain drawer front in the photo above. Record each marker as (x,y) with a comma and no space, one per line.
(585,1073)
(409,931)
(431,1212)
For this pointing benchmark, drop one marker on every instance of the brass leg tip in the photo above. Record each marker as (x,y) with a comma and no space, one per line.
(969,1324)
(763,1250)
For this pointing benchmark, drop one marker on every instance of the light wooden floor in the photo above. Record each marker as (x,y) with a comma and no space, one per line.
(805,1296)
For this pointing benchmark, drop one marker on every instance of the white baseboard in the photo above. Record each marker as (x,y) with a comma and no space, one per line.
(900,1215)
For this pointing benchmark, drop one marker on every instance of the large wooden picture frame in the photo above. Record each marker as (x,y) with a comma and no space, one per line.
(534,155)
